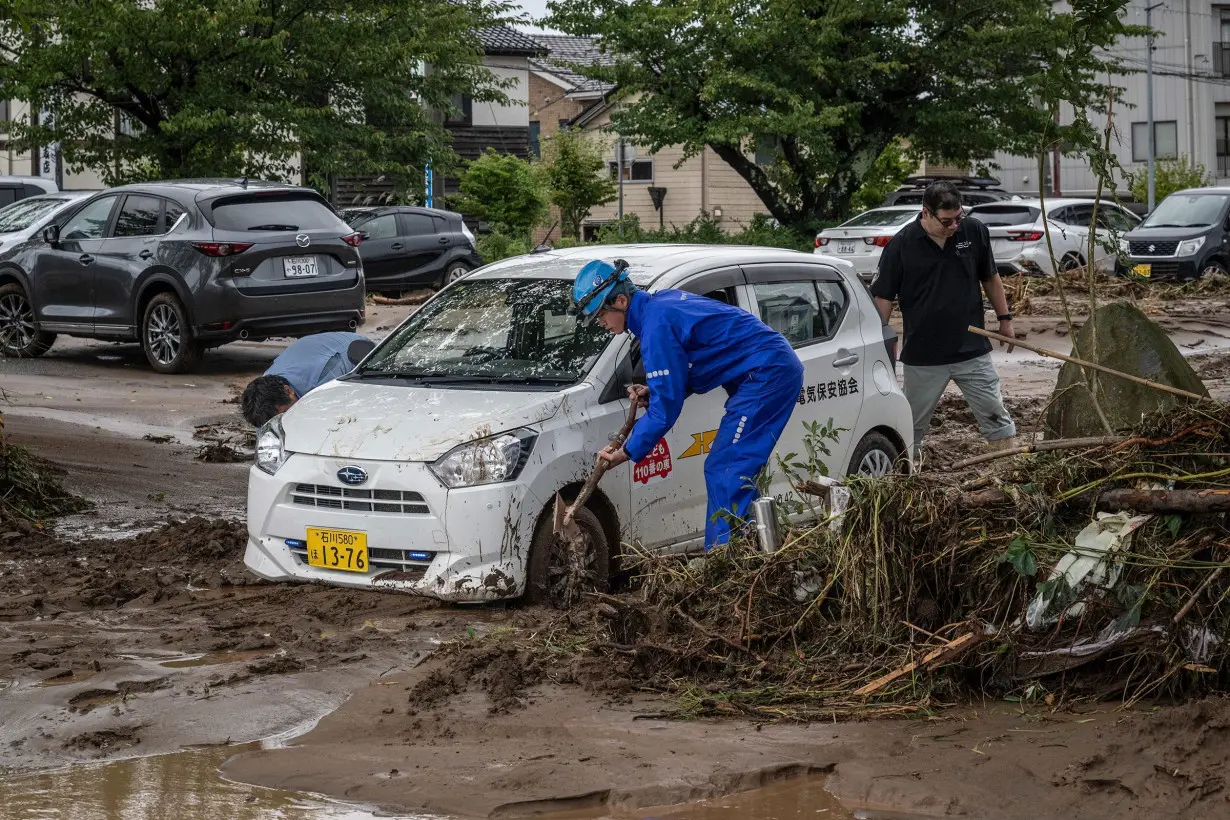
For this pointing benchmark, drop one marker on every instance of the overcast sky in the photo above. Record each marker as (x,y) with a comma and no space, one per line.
(535,9)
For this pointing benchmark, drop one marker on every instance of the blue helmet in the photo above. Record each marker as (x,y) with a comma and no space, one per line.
(594,285)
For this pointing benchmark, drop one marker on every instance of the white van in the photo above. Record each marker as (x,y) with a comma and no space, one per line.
(433,467)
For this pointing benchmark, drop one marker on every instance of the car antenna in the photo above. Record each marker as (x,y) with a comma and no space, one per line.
(243,183)
(543,247)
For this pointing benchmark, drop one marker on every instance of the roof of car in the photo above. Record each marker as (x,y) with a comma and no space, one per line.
(209,185)
(1212,189)
(646,263)
(1034,202)
(395,209)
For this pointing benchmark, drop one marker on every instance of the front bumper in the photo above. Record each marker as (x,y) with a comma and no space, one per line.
(1165,267)
(465,543)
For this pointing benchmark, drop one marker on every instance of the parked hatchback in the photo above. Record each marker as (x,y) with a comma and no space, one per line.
(1018,234)
(1187,236)
(183,266)
(460,427)
(862,239)
(16,188)
(405,247)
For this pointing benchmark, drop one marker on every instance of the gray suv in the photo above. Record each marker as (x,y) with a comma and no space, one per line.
(183,266)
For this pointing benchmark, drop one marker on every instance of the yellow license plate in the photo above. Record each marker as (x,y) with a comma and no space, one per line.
(1143,271)
(345,550)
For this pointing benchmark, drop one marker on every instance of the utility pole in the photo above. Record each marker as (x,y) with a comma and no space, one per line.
(1149,95)
(619,162)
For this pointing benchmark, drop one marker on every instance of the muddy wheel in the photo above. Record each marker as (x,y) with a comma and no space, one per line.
(1071,261)
(20,337)
(874,457)
(166,336)
(557,574)
(1214,267)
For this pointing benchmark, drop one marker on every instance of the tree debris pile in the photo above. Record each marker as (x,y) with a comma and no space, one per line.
(928,593)
(30,488)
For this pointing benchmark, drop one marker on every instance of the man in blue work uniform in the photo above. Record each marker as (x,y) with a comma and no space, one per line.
(691,344)
(305,365)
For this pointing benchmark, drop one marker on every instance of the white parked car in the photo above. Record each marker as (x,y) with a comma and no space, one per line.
(433,467)
(862,239)
(1019,241)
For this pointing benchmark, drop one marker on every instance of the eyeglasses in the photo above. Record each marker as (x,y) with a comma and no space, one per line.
(950,221)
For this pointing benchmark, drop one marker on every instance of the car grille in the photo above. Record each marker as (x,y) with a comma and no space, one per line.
(380,560)
(398,502)
(1164,270)
(1153,248)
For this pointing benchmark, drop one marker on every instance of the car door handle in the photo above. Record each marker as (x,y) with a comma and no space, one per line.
(845,361)
(443,240)
(85,259)
(396,246)
(146,254)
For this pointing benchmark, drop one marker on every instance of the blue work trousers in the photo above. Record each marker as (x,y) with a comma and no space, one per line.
(756,414)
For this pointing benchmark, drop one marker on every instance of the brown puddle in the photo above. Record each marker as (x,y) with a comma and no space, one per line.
(183,785)
(67,676)
(215,659)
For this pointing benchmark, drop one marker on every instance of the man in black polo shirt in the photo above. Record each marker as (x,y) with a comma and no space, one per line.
(934,268)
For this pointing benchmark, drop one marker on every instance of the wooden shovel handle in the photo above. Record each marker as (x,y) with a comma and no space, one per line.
(601,467)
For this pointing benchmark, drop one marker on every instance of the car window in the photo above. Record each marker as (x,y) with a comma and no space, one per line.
(275,212)
(91,221)
(382,227)
(1115,220)
(997,215)
(419,224)
(1187,211)
(1080,215)
(174,212)
(491,330)
(833,301)
(792,309)
(880,219)
(10,195)
(138,217)
(25,212)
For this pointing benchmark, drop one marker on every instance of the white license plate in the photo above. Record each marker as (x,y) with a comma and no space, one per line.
(845,248)
(297,266)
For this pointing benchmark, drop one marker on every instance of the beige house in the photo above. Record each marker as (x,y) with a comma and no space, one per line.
(559,97)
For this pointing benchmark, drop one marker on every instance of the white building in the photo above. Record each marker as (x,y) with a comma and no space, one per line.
(1191,100)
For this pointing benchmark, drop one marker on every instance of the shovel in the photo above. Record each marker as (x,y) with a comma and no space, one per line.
(565,525)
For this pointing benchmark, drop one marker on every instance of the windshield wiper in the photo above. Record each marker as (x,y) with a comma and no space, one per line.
(420,375)
(273,227)
(533,380)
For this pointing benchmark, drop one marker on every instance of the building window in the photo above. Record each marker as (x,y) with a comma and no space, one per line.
(535,132)
(635,170)
(1222,133)
(463,111)
(5,116)
(1165,140)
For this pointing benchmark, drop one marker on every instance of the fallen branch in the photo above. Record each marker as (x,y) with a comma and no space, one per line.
(934,658)
(1191,602)
(1041,351)
(1040,447)
(699,627)
(1198,502)
(416,298)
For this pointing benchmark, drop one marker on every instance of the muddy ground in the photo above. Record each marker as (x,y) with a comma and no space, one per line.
(132,628)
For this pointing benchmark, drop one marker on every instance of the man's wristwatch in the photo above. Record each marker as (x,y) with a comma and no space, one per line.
(1004,317)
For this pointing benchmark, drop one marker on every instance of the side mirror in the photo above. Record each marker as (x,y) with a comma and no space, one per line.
(51,234)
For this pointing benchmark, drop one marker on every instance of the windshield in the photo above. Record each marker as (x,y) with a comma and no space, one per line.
(493,330)
(1186,211)
(880,219)
(24,213)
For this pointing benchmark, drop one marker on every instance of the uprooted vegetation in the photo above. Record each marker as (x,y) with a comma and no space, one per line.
(928,593)
(30,488)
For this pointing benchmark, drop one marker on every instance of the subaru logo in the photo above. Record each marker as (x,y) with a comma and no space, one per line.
(1152,248)
(303,240)
(352,475)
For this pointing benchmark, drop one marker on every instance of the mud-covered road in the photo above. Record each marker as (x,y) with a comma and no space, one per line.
(133,629)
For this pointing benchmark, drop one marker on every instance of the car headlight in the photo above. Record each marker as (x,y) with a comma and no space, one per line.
(485,461)
(1189,246)
(271,446)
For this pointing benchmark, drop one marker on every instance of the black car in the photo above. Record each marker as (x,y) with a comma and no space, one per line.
(974,190)
(183,266)
(1187,236)
(404,246)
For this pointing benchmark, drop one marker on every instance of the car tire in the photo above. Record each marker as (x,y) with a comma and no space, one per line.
(453,272)
(20,337)
(166,336)
(875,456)
(546,571)
(1213,267)
(1071,261)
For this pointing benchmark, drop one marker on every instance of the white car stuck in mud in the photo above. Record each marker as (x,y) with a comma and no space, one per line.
(432,468)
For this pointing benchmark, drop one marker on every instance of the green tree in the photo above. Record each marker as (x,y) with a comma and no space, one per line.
(575,171)
(1170,175)
(503,190)
(244,87)
(883,177)
(835,82)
